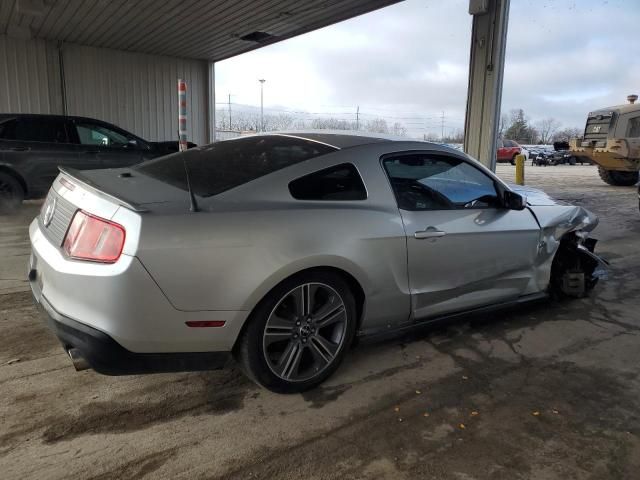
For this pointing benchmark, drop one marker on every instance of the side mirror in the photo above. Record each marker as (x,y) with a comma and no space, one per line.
(513,200)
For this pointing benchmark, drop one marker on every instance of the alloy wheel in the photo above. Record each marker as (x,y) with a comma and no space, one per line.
(305,332)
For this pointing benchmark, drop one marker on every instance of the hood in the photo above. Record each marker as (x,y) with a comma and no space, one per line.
(556,214)
(535,196)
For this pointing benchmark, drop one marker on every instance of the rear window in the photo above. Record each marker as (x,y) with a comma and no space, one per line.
(222,166)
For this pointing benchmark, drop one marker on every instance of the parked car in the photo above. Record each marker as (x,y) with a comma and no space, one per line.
(559,155)
(280,249)
(542,158)
(507,151)
(32,147)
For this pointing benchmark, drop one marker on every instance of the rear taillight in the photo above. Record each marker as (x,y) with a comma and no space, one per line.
(93,239)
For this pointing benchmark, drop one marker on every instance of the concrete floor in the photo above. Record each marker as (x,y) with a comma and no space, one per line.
(544,392)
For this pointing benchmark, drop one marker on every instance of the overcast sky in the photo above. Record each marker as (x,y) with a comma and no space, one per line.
(408,63)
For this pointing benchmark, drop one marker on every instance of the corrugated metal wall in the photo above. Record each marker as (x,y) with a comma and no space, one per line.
(137,92)
(29,76)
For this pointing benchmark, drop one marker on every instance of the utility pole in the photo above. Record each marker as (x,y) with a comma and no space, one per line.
(230,112)
(262,80)
(358,117)
(442,133)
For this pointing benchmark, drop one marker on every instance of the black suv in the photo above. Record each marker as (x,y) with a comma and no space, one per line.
(33,146)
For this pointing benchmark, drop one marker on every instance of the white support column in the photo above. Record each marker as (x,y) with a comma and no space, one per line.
(486,71)
(211,102)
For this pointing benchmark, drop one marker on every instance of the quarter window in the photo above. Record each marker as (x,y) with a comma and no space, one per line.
(341,182)
(433,182)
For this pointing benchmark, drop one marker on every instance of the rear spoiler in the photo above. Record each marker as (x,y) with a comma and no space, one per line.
(98,190)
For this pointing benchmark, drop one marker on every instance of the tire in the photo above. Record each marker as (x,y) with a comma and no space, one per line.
(282,349)
(617,177)
(513,160)
(11,193)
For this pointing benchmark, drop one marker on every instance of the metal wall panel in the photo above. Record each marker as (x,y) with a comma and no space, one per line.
(29,76)
(135,91)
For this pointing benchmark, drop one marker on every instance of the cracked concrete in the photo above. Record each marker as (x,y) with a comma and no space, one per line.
(547,391)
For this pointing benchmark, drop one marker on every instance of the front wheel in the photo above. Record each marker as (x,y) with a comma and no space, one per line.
(299,333)
(618,177)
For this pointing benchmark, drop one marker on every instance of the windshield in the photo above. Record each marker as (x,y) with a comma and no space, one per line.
(222,166)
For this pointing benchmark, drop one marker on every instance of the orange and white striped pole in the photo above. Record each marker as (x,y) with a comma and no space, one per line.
(182,115)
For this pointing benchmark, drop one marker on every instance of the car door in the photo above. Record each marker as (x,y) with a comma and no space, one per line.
(110,146)
(35,146)
(464,249)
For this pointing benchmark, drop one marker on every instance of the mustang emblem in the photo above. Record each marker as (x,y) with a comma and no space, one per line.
(49,210)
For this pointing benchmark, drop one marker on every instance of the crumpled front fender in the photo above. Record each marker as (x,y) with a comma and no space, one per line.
(556,221)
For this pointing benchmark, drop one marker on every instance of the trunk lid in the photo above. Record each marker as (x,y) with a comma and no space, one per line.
(130,189)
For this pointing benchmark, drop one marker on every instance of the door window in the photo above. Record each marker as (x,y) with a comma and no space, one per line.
(633,130)
(94,134)
(35,129)
(435,182)
(342,182)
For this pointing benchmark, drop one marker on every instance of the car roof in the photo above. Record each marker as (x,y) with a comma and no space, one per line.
(341,139)
(5,116)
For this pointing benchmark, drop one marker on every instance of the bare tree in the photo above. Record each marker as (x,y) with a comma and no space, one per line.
(456,136)
(332,124)
(567,134)
(399,129)
(377,125)
(502,125)
(431,137)
(244,120)
(547,127)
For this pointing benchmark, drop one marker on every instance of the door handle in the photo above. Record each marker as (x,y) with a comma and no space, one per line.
(429,232)
(19,149)
(91,151)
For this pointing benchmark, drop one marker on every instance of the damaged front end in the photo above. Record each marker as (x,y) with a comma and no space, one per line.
(566,263)
(576,269)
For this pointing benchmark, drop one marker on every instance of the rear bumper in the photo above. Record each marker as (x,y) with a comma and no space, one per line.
(106,356)
(122,301)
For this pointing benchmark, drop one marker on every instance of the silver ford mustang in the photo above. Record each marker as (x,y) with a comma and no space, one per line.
(281,249)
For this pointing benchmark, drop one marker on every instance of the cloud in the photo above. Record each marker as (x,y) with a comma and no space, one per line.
(409,62)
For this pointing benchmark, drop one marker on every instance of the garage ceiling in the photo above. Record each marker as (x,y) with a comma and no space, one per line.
(200,29)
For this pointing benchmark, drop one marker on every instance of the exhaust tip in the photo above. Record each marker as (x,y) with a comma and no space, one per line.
(79,363)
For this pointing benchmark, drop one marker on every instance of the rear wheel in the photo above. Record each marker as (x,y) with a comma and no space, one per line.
(11,193)
(513,160)
(299,333)
(618,177)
